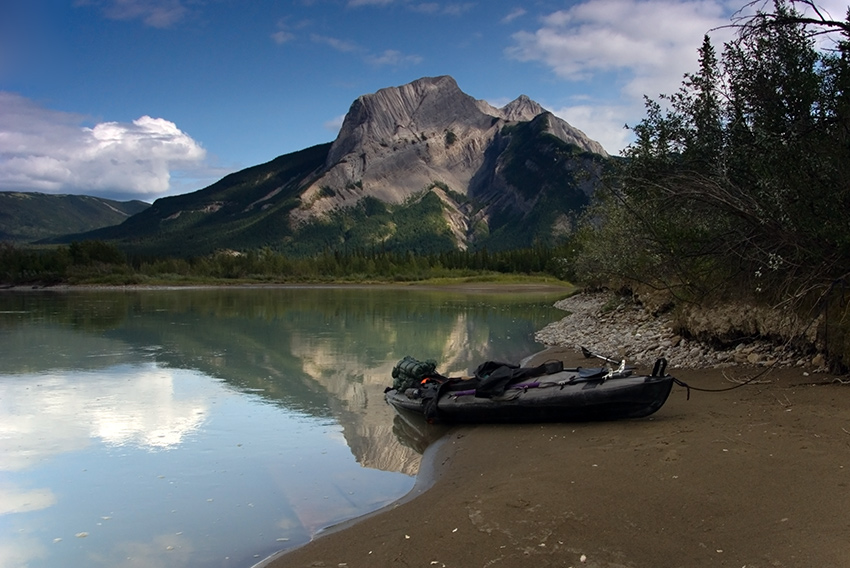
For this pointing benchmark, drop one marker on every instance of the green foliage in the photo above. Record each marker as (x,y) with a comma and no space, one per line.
(93,252)
(246,209)
(416,226)
(77,264)
(451,137)
(552,178)
(28,217)
(532,157)
(740,183)
(19,265)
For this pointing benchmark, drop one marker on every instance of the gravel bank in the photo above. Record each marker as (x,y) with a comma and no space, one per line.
(617,327)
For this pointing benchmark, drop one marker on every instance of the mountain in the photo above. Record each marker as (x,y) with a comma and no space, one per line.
(397,141)
(422,167)
(27,217)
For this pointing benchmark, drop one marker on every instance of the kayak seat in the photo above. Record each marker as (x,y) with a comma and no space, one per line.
(592,373)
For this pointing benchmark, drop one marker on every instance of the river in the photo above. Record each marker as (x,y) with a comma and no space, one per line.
(213,427)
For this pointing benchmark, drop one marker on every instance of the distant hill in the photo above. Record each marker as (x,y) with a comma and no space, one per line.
(423,167)
(28,217)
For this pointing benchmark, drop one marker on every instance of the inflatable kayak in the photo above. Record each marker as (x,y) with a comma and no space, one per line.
(500,392)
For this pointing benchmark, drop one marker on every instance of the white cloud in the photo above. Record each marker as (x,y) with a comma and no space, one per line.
(334,124)
(144,409)
(655,41)
(621,48)
(154,13)
(24,551)
(285,27)
(336,43)
(389,57)
(14,499)
(355,3)
(393,58)
(426,7)
(458,9)
(50,151)
(617,51)
(516,13)
(281,36)
(451,9)
(605,124)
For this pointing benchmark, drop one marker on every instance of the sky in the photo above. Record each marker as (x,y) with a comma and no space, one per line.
(140,99)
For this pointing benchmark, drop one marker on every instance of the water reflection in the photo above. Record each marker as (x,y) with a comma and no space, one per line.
(64,412)
(185,427)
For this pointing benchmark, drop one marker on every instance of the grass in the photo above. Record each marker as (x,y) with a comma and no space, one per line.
(496,279)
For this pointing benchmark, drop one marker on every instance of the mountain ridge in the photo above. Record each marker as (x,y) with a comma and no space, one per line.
(422,167)
(29,216)
(400,139)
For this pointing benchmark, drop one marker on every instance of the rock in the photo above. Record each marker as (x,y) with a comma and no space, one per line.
(395,142)
(642,336)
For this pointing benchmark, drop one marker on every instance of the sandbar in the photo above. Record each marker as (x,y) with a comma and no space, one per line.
(757,476)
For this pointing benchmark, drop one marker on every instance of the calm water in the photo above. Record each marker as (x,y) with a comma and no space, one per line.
(185,428)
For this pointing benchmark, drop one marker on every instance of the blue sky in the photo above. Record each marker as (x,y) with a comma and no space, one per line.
(146,98)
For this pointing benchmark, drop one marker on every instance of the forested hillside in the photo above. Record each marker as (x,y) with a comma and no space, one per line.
(26,217)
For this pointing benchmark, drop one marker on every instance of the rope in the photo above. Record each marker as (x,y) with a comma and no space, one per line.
(689,388)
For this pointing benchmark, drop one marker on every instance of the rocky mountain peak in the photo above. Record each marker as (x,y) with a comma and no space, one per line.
(521,109)
(404,112)
(400,140)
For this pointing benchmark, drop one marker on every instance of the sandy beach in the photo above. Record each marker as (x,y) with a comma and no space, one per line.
(753,477)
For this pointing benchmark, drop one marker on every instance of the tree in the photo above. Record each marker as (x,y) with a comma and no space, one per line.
(740,181)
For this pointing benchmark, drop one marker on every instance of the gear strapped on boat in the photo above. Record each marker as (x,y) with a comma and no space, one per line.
(426,389)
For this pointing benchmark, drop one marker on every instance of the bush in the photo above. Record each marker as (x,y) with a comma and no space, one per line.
(740,183)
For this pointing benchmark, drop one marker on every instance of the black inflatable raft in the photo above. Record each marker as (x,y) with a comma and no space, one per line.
(502,392)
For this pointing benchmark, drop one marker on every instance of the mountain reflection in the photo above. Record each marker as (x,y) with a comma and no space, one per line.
(323,352)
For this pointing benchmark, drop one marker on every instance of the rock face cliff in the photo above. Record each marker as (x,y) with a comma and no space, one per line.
(421,168)
(400,141)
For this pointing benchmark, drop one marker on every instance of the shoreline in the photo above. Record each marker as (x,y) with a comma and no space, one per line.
(460,286)
(426,477)
(755,476)
(758,476)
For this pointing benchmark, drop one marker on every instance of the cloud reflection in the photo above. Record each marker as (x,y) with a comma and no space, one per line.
(48,414)
(22,552)
(16,500)
(163,551)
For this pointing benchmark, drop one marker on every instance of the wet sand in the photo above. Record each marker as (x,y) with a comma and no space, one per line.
(758,476)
